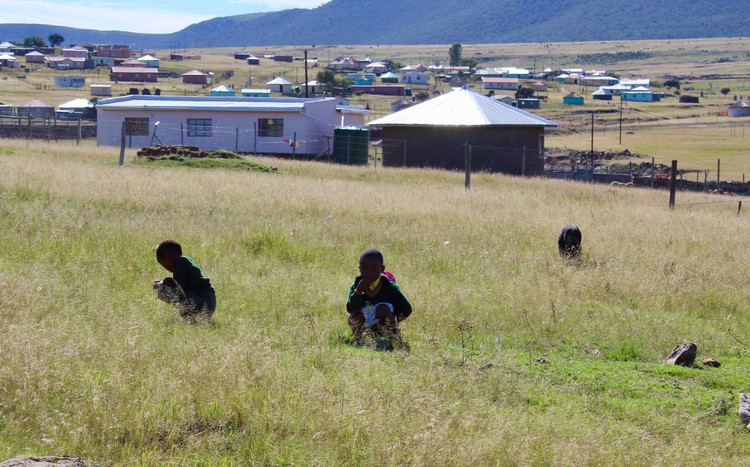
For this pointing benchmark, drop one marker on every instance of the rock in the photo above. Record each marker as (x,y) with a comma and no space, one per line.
(683,354)
(711,362)
(47,461)
(541,361)
(744,411)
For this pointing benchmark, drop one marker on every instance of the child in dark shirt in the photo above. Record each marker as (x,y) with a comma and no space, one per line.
(188,289)
(375,303)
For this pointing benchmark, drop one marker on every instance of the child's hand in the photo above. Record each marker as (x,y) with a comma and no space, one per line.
(362,287)
(158,285)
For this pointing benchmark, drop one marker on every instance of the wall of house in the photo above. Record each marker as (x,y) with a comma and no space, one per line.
(230,130)
(494,149)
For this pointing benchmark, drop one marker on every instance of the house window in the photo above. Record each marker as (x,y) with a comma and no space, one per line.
(199,127)
(273,127)
(136,126)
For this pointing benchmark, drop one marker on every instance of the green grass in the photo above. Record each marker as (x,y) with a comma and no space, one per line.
(202,163)
(96,366)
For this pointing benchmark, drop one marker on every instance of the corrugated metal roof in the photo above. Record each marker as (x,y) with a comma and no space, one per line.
(36,103)
(462,107)
(279,80)
(230,104)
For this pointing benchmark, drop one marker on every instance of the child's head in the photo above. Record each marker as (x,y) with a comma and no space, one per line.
(371,264)
(167,252)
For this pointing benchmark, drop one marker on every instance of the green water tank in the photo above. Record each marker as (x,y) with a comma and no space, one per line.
(351,145)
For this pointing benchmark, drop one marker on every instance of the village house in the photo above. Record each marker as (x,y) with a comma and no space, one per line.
(36,108)
(438,132)
(66,63)
(280,85)
(346,64)
(505,84)
(249,92)
(114,51)
(35,57)
(134,74)
(249,125)
(222,91)
(76,52)
(253,60)
(6,47)
(70,81)
(194,77)
(415,77)
(637,94)
(101,90)
(573,99)
(8,61)
(390,78)
(377,68)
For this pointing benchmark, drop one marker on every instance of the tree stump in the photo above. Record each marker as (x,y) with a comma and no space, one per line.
(744,411)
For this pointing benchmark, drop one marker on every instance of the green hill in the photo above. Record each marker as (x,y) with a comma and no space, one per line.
(427,22)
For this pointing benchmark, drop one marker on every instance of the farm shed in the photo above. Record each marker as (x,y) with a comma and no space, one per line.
(34,57)
(36,108)
(573,99)
(436,132)
(280,85)
(251,125)
(71,81)
(133,74)
(194,77)
(101,90)
(739,109)
(528,103)
(380,89)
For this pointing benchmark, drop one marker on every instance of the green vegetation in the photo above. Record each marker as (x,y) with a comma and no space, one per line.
(610,58)
(97,367)
(203,163)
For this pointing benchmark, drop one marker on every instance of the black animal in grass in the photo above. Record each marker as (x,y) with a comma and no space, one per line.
(569,242)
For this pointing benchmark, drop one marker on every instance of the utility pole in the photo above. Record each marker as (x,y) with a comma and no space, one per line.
(306,81)
(620,120)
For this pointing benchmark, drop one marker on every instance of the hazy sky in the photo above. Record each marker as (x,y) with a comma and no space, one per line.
(158,16)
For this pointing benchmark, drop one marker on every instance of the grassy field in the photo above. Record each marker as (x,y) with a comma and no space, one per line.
(95,366)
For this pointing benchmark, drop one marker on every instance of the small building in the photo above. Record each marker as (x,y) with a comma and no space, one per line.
(255,92)
(6,109)
(71,81)
(222,91)
(283,58)
(597,81)
(435,134)
(415,77)
(194,77)
(6,47)
(602,94)
(76,109)
(634,83)
(504,98)
(34,57)
(75,52)
(66,63)
(346,64)
(133,74)
(638,94)
(686,99)
(506,84)
(280,85)
(36,108)
(313,87)
(538,86)
(739,109)
(8,61)
(390,78)
(253,60)
(149,61)
(573,99)
(380,89)
(114,51)
(376,67)
(101,90)
(528,103)
(258,125)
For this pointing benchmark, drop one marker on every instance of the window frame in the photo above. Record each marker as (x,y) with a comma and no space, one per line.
(200,127)
(270,127)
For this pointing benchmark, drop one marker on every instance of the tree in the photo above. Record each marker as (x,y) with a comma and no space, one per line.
(55,39)
(470,62)
(725,91)
(393,65)
(524,92)
(672,83)
(326,78)
(455,54)
(34,41)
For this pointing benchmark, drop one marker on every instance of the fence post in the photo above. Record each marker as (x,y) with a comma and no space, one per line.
(718,175)
(404,152)
(182,134)
(523,162)
(78,133)
(672,184)
(122,144)
(467,162)
(739,208)
(29,124)
(294,146)
(653,171)
(236,139)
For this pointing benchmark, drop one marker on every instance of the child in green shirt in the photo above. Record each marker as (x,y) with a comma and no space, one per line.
(375,303)
(188,289)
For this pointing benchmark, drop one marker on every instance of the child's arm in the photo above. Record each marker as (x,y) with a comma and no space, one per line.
(356,300)
(401,306)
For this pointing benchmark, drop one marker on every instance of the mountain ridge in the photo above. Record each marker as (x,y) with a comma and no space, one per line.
(418,22)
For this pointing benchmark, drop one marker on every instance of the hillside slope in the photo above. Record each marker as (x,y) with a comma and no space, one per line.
(426,22)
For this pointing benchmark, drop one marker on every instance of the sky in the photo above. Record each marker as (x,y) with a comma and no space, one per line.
(158,16)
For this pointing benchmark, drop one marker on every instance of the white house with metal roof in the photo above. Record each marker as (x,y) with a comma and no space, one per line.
(441,131)
(248,125)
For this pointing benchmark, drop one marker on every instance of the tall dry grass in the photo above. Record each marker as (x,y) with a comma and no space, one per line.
(95,366)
